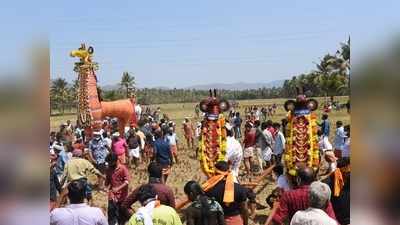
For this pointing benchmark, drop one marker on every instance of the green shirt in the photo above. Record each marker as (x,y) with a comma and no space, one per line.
(162,215)
(77,168)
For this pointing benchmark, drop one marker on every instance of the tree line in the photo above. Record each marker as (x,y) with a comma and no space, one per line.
(331,76)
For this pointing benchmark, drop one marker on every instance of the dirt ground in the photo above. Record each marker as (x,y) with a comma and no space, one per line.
(188,167)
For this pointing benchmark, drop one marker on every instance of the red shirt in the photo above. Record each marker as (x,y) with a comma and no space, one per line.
(116,177)
(164,194)
(293,201)
(78,146)
(250,138)
(272,130)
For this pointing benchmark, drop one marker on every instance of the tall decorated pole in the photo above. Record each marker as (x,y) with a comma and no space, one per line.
(212,144)
(302,143)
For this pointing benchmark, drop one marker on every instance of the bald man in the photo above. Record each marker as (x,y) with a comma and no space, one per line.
(298,199)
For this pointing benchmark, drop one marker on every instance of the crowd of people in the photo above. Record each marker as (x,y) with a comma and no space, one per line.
(254,144)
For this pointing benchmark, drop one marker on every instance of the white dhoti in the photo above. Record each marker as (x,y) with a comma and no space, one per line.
(135,152)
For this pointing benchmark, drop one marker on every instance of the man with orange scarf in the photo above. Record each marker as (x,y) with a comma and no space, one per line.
(230,195)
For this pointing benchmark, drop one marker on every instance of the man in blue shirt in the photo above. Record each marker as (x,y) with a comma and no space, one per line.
(98,150)
(62,159)
(325,126)
(162,153)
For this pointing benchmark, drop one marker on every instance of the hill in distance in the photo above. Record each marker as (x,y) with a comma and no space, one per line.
(239,86)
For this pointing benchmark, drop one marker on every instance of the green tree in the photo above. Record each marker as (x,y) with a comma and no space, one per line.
(127,82)
(74,91)
(59,93)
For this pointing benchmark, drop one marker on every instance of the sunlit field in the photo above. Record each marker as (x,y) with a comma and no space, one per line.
(188,168)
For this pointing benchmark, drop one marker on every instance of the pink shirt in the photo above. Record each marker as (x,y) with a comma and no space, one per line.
(119,146)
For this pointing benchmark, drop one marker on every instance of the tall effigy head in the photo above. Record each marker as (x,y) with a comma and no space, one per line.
(85,56)
(301,106)
(213,106)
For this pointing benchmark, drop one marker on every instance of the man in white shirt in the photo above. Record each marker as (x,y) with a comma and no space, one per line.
(340,138)
(319,197)
(281,179)
(267,151)
(138,111)
(173,143)
(323,142)
(234,152)
(77,212)
(279,146)
(346,146)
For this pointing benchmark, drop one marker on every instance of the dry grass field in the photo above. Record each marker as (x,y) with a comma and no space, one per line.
(188,168)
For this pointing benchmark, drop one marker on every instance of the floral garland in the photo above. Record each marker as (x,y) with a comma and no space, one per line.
(208,150)
(302,144)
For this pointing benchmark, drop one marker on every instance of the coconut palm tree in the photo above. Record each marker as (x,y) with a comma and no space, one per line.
(74,91)
(59,92)
(127,82)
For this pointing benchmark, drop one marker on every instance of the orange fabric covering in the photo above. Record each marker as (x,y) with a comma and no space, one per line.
(229,193)
(229,185)
(338,182)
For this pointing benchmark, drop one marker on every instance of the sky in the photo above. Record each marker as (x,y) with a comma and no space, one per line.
(184,43)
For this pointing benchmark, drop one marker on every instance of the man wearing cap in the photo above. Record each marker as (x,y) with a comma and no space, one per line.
(234,151)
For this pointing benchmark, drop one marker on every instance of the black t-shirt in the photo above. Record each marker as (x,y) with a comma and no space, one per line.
(133,142)
(194,215)
(341,204)
(240,195)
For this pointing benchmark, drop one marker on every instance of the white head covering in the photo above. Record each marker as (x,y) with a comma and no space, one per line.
(145,213)
(228,126)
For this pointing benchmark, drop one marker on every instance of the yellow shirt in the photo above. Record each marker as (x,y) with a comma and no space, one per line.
(162,215)
(77,168)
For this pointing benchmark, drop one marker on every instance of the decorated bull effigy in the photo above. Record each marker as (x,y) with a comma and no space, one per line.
(91,110)
(213,146)
(212,143)
(302,143)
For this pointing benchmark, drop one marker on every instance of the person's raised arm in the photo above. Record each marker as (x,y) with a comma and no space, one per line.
(128,202)
(93,170)
(281,212)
